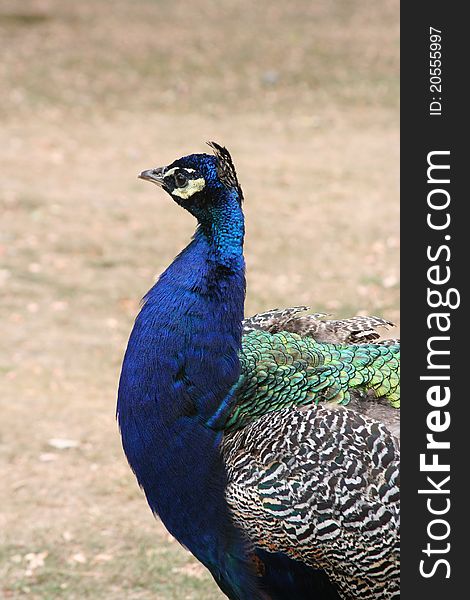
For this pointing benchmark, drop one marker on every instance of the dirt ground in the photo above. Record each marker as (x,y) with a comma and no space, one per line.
(305,96)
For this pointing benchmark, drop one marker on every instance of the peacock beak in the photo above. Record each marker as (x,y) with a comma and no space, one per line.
(156,176)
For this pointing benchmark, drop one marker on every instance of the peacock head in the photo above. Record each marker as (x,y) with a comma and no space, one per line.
(203,184)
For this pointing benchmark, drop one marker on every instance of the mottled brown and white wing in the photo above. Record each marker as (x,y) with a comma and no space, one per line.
(322,486)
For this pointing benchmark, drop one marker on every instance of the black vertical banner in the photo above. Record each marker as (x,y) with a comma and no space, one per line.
(435,266)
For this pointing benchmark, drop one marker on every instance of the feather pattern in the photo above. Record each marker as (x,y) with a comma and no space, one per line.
(329,501)
(283,370)
(355,330)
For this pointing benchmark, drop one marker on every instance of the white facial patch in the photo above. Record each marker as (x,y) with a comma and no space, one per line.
(174,169)
(193,186)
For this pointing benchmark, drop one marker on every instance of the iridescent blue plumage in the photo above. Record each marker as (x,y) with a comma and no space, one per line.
(178,388)
(182,358)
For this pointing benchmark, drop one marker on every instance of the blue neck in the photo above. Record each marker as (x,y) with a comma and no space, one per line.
(180,364)
(224,228)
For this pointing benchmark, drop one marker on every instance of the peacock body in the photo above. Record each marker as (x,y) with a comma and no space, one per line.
(253,440)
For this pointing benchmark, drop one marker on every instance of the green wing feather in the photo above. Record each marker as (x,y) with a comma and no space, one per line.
(282,370)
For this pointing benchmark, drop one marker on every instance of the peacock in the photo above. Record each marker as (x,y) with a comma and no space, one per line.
(264,444)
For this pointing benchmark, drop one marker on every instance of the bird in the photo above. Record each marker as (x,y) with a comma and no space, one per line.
(250,437)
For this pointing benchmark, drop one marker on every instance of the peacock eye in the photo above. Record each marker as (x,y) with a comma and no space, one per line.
(180,180)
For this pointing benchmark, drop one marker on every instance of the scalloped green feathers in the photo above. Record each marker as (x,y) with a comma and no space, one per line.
(284,369)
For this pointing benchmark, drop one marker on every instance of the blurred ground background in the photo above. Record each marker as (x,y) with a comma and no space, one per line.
(305,95)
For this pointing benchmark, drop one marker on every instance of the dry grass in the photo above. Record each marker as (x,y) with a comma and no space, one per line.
(305,96)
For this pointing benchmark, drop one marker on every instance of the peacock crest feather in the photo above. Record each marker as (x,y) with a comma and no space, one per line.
(225,168)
